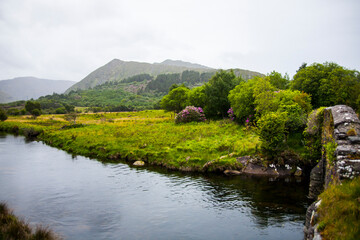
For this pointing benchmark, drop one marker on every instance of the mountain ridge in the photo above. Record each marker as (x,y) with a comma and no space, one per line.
(118,70)
(25,88)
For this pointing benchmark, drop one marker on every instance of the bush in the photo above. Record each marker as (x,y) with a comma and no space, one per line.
(61,110)
(190,114)
(312,135)
(3,115)
(272,133)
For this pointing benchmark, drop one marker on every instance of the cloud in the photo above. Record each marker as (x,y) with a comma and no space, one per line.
(69,39)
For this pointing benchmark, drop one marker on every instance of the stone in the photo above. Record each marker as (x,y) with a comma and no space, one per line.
(354,139)
(232,172)
(298,173)
(139,163)
(343,114)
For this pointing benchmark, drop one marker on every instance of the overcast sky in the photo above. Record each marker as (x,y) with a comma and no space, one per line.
(68,39)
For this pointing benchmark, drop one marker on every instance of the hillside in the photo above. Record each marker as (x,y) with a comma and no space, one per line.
(24,88)
(180,63)
(117,70)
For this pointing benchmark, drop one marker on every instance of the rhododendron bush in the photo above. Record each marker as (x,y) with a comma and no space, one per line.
(190,114)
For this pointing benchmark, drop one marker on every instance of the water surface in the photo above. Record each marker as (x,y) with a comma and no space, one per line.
(80,198)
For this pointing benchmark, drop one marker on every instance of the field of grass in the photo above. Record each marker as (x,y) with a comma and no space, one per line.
(150,136)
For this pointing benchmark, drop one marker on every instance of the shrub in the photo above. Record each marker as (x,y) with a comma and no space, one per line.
(30,133)
(3,115)
(231,114)
(272,133)
(190,114)
(312,135)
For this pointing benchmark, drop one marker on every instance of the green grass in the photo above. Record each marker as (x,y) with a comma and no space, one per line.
(11,227)
(150,136)
(339,211)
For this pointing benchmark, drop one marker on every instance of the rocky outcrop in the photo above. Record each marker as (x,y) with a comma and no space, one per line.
(340,157)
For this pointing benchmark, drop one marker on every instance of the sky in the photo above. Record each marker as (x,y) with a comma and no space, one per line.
(69,39)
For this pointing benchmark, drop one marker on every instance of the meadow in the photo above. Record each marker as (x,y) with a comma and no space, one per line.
(150,136)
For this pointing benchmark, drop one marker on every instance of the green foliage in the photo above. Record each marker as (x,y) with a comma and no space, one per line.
(3,115)
(163,82)
(61,110)
(330,149)
(328,84)
(150,136)
(138,78)
(217,91)
(242,99)
(279,81)
(176,100)
(312,135)
(33,108)
(339,211)
(190,114)
(264,94)
(196,97)
(71,118)
(271,129)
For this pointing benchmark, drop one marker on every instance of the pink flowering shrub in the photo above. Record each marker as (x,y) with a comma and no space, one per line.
(190,114)
(231,114)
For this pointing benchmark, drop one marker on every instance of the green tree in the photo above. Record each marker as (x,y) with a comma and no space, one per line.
(197,97)
(217,91)
(3,115)
(272,132)
(242,99)
(176,100)
(33,108)
(279,81)
(328,84)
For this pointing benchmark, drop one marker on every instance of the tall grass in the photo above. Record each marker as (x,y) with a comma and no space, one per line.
(150,136)
(339,211)
(11,227)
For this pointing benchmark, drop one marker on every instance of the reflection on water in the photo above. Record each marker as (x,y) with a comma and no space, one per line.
(85,199)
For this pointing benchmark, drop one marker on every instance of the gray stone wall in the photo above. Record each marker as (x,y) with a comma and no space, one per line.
(341,127)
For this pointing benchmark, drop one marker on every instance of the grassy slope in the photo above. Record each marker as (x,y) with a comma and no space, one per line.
(339,211)
(151,136)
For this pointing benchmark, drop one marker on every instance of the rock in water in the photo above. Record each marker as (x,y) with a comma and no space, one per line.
(232,172)
(139,163)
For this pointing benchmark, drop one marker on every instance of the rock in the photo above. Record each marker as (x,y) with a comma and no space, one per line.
(232,172)
(354,139)
(298,173)
(139,163)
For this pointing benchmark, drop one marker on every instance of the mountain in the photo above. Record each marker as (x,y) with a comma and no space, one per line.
(180,63)
(117,70)
(25,88)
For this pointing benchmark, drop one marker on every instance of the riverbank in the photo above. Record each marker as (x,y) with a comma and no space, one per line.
(148,136)
(12,227)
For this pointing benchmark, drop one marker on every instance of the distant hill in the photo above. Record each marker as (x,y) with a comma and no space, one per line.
(180,63)
(117,70)
(25,88)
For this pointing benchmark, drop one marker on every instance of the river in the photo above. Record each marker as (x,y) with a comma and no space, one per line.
(81,198)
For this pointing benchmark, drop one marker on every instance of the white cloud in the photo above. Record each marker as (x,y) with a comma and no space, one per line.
(68,39)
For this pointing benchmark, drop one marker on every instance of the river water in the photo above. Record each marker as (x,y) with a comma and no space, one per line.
(81,198)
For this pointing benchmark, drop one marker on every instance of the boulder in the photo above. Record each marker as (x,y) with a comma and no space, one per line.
(139,163)
(232,172)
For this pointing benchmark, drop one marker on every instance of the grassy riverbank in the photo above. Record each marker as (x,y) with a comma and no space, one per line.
(339,211)
(11,227)
(150,136)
